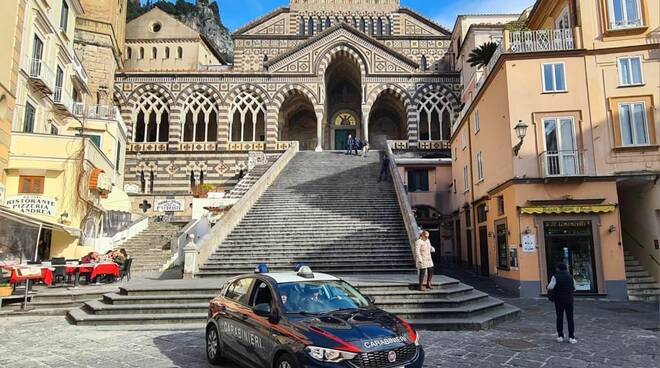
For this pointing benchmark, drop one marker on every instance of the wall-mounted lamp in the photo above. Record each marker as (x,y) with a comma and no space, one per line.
(611,229)
(64,217)
(521,132)
(527,230)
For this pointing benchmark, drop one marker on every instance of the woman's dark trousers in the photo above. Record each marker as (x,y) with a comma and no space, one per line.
(562,308)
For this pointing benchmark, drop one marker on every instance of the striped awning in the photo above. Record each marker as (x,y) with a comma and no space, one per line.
(551,210)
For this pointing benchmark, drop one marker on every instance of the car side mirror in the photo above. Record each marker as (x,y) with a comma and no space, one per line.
(262,310)
(371,299)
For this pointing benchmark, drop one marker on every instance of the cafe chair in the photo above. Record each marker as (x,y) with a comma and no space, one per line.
(59,263)
(126,270)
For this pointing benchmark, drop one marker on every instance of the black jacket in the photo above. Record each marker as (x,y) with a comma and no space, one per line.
(564,288)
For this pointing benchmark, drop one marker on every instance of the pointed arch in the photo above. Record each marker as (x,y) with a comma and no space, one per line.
(436,111)
(199,118)
(338,50)
(151,117)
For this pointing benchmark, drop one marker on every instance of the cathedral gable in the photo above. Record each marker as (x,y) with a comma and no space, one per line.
(376,57)
(274,23)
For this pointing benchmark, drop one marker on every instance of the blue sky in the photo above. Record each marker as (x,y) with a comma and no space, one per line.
(236,13)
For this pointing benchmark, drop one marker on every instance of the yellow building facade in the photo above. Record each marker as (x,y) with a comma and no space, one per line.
(556,157)
(67,153)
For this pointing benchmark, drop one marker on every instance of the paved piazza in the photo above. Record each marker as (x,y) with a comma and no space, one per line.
(611,334)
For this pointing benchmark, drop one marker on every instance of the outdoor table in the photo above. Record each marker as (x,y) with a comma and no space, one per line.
(93,269)
(45,274)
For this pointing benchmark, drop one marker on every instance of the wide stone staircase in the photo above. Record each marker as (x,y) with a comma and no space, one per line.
(450,306)
(250,179)
(150,249)
(325,210)
(641,285)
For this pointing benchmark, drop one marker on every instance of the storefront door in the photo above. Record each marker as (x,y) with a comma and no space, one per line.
(483,250)
(571,242)
(341,138)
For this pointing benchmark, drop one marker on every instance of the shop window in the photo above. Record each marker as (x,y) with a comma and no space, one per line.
(500,205)
(481,213)
(554,79)
(31,184)
(624,14)
(630,71)
(634,128)
(418,180)
(502,248)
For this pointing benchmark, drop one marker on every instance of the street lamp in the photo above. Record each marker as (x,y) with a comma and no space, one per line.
(521,132)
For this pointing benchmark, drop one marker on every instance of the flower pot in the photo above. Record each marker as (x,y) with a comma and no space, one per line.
(6,291)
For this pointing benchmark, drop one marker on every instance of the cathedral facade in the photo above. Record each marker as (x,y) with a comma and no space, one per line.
(315,72)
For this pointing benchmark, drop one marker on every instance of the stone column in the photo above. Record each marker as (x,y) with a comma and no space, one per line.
(365,125)
(319,131)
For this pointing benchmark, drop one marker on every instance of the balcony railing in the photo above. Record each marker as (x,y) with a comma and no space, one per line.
(541,40)
(63,100)
(563,163)
(42,75)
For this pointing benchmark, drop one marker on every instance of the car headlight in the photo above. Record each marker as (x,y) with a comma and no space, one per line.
(329,355)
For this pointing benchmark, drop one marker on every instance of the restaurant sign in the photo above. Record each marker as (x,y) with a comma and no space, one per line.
(32,204)
(549,210)
(169,205)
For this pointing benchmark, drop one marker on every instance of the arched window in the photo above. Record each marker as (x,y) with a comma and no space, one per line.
(179,52)
(247,118)
(388,27)
(355,22)
(379,26)
(301,30)
(328,24)
(423,63)
(363,25)
(141,52)
(154,53)
(200,122)
(319,25)
(167,53)
(434,117)
(152,119)
(129,53)
(310,26)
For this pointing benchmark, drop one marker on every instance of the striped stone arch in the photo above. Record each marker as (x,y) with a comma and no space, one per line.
(179,106)
(447,98)
(120,97)
(404,96)
(272,126)
(342,49)
(225,107)
(129,110)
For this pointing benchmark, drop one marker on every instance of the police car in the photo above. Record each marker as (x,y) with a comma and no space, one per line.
(302,319)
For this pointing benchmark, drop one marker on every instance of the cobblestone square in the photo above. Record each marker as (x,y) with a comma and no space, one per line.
(611,334)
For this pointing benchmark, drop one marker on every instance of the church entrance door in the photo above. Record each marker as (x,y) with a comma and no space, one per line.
(341,138)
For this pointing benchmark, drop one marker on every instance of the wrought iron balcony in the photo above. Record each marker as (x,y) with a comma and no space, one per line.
(563,163)
(42,76)
(541,40)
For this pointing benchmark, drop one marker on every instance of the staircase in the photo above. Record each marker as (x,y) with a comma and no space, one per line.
(641,285)
(150,248)
(250,178)
(325,210)
(450,306)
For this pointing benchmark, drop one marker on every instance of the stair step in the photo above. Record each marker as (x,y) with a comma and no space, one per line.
(117,299)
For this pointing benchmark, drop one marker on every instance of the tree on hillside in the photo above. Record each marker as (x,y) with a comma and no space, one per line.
(482,54)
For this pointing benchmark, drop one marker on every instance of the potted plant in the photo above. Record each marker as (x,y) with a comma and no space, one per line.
(202,190)
(5,287)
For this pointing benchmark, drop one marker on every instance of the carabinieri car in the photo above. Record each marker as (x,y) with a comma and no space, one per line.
(304,320)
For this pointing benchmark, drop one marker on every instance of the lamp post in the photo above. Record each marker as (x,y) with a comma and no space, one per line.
(521,132)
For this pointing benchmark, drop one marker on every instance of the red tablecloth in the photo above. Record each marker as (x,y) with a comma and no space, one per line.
(46,276)
(96,270)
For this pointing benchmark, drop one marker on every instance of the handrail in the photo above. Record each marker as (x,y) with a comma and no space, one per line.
(233,217)
(412,229)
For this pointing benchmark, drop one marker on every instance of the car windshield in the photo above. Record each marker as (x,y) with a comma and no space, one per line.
(318,297)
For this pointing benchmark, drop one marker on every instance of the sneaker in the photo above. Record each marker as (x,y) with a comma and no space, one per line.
(559,339)
(572,340)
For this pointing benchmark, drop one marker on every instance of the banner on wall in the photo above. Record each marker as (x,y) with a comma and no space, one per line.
(169,205)
(32,204)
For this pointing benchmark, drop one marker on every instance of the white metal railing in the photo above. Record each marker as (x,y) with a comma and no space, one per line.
(541,40)
(80,69)
(101,112)
(39,70)
(562,163)
(62,97)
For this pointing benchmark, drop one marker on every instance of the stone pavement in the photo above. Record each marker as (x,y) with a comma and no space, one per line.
(611,334)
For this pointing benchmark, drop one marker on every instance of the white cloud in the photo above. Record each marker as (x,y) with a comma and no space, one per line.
(455,8)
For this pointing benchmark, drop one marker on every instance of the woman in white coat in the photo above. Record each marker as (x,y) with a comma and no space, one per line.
(424,260)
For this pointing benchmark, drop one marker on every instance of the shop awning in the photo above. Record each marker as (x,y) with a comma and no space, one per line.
(117,201)
(559,209)
(35,222)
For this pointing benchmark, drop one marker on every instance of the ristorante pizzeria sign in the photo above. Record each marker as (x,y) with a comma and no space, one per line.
(32,204)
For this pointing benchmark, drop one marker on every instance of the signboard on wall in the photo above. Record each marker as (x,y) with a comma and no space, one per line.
(32,204)
(2,194)
(529,243)
(169,205)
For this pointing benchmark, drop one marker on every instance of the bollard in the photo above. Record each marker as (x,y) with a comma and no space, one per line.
(190,260)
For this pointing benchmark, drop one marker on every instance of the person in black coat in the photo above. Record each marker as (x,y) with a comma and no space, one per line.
(350,142)
(562,287)
(384,168)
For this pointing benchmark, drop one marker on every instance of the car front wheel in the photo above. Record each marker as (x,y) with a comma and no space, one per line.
(213,353)
(286,361)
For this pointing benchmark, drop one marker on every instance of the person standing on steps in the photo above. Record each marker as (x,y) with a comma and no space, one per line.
(384,168)
(350,142)
(562,288)
(365,148)
(424,260)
